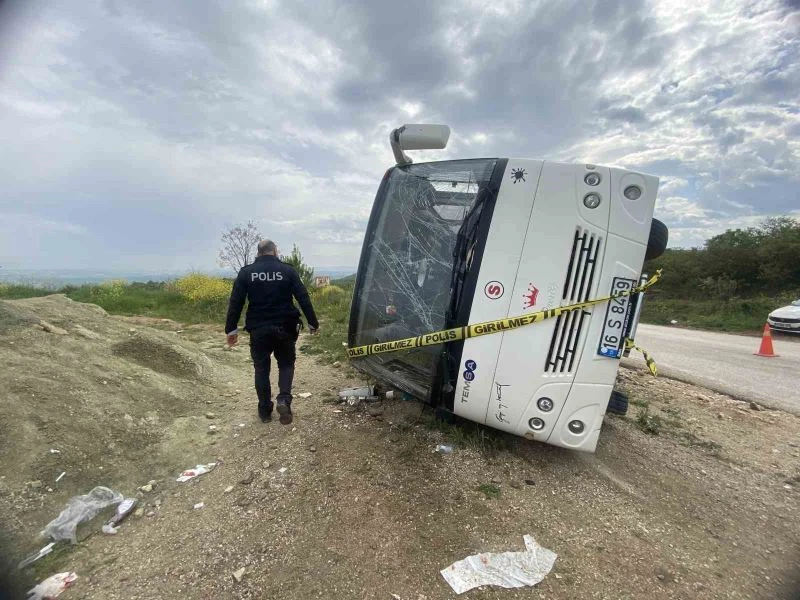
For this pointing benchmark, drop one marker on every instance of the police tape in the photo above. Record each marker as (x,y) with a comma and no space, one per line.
(498,326)
(651,364)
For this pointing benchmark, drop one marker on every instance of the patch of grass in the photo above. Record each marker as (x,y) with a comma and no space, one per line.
(332,304)
(672,417)
(161,300)
(489,490)
(468,434)
(647,422)
(653,423)
(152,299)
(735,314)
(310,349)
(13,291)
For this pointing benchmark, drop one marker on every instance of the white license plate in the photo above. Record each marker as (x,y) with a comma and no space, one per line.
(612,340)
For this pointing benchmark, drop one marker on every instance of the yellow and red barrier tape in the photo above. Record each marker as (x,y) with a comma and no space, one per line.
(500,325)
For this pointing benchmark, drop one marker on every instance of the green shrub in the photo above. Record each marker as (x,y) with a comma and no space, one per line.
(14,291)
(328,295)
(647,422)
(108,291)
(202,288)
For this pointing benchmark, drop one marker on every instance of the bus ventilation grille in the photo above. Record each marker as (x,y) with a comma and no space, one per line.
(577,287)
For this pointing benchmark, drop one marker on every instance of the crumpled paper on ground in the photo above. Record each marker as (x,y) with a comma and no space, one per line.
(504,569)
(196,472)
(80,509)
(52,586)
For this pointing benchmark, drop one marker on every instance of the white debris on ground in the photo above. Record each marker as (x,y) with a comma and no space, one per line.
(505,569)
(52,586)
(196,472)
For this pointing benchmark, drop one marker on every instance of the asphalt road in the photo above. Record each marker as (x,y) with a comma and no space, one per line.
(725,363)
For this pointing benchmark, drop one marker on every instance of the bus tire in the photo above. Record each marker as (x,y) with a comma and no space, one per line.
(618,403)
(657,243)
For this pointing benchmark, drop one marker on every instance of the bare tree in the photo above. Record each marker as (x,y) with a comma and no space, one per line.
(239,246)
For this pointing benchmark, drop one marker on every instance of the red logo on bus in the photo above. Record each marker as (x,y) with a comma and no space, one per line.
(530,297)
(494,290)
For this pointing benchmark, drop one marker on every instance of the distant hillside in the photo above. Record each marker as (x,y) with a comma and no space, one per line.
(334,272)
(53,279)
(345,281)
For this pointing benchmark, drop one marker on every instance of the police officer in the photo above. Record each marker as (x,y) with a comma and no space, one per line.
(273,322)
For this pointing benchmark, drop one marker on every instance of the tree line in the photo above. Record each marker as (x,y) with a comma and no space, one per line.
(757,261)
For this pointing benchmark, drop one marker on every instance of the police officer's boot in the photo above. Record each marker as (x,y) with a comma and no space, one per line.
(285,408)
(265,412)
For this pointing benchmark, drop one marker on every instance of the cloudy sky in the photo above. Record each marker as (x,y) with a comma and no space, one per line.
(133,132)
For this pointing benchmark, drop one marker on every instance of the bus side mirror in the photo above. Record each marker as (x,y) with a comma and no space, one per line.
(417,137)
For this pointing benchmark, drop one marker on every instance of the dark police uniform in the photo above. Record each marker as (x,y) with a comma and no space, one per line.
(273,322)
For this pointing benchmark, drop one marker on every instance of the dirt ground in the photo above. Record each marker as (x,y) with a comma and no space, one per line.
(692,495)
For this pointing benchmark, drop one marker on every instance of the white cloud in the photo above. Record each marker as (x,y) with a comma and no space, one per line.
(678,209)
(35,225)
(412,109)
(150,126)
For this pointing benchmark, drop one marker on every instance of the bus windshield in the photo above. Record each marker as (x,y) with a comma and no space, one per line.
(404,282)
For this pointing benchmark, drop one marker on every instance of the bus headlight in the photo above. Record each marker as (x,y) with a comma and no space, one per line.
(591,200)
(536,424)
(592,179)
(576,427)
(633,192)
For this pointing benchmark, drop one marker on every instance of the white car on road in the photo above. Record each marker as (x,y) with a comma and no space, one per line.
(786,318)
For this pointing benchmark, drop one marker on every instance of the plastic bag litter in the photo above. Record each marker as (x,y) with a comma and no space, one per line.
(80,509)
(52,586)
(505,569)
(362,393)
(196,472)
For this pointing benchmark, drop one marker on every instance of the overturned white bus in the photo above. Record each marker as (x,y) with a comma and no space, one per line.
(459,242)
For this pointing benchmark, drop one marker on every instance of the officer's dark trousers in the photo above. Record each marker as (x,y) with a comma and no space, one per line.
(264,341)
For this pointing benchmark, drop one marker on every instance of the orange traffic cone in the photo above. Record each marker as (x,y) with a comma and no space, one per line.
(766,343)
